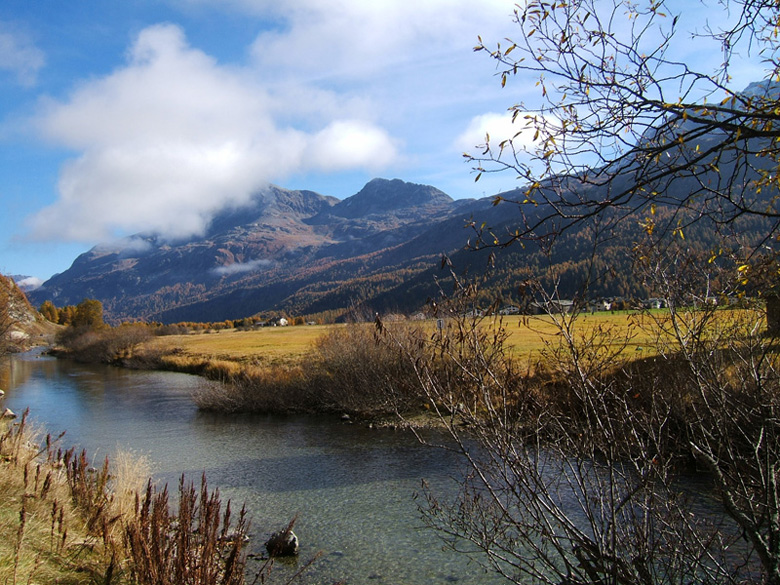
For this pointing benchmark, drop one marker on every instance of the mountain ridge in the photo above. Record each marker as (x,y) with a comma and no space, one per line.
(280,242)
(301,252)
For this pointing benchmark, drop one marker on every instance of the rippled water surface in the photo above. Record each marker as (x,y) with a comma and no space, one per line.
(352,488)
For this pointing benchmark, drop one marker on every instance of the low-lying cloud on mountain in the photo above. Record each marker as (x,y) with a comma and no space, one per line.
(173,137)
(241,267)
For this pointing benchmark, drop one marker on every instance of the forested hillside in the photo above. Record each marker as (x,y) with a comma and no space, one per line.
(381,250)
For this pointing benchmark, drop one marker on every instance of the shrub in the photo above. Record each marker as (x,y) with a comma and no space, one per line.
(107,345)
(277,390)
(350,370)
(355,371)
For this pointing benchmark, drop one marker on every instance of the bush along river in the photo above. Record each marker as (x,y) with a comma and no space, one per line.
(352,488)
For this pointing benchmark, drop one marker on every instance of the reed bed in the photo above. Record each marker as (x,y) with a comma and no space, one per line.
(43,535)
(348,369)
(63,520)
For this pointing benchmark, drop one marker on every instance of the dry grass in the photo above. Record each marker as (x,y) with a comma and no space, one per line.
(529,335)
(289,346)
(43,536)
(266,347)
(638,333)
(64,521)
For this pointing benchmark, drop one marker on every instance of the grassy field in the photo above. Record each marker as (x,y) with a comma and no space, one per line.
(287,346)
(269,346)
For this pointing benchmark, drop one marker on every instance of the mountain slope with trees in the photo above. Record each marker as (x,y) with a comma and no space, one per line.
(380,250)
(284,251)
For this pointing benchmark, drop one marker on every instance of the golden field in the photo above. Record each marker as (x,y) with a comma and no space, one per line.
(287,346)
(269,346)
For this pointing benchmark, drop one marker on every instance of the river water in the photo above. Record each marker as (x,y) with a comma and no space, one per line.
(352,488)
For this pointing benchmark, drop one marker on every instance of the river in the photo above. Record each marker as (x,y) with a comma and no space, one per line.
(352,488)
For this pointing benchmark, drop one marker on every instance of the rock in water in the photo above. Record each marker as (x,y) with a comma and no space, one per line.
(282,544)
(8,413)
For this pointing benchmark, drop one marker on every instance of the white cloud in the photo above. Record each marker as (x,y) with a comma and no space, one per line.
(345,143)
(20,56)
(173,136)
(499,127)
(356,38)
(241,267)
(30,283)
(126,247)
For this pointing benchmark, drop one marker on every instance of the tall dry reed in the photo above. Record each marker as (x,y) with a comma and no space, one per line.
(62,520)
(199,544)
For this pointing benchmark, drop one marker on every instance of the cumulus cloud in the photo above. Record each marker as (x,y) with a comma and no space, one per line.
(498,127)
(173,136)
(19,56)
(346,143)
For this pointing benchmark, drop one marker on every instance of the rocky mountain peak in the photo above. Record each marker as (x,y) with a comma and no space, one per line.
(271,202)
(381,196)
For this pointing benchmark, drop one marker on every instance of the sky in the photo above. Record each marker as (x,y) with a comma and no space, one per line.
(142,115)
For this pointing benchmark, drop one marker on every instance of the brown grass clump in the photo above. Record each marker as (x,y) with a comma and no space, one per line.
(43,536)
(64,521)
(195,545)
(253,389)
(348,370)
(111,345)
(356,371)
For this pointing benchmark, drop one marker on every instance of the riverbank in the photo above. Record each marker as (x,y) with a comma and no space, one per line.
(63,521)
(355,369)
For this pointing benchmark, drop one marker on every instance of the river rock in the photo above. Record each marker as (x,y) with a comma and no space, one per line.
(8,413)
(282,544)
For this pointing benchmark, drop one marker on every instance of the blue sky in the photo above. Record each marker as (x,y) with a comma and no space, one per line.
(120,117)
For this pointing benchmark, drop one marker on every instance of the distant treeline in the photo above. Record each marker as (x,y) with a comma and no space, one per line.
(90,313)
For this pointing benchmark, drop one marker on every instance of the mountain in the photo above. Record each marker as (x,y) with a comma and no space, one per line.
(302,253)
(294,251)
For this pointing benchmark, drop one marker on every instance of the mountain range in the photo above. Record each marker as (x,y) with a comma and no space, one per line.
(297,252)
(380,250)
(303,253)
